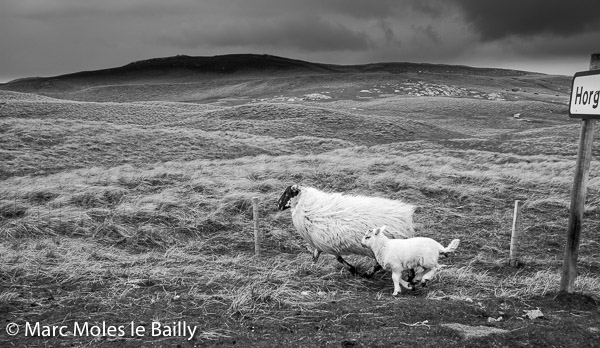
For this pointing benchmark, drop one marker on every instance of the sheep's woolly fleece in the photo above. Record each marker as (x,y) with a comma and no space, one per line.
(335,223)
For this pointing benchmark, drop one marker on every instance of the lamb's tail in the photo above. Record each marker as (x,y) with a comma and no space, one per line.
(451,247)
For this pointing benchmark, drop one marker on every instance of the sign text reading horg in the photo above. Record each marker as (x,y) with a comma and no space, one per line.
(585,95)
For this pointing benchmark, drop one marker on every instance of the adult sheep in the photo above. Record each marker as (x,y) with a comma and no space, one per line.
(335,223)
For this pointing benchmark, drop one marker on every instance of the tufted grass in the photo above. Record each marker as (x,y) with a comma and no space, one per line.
(460,195)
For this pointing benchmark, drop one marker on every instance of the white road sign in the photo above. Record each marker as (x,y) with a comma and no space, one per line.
(585,95)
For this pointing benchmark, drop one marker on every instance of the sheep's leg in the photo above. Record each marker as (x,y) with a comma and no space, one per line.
(351,268)
(397,279)
(316,254)
(377,267)
(410,275)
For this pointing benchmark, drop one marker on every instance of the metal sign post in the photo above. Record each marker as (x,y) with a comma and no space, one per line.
(584,104)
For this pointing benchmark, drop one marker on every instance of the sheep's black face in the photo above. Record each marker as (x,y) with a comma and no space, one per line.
(284,201)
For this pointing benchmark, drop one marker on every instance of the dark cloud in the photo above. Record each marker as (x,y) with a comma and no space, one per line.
(351,8)
(495,20)
(562,46)
(425,33)
(60,9)
(388,32)
(306,32)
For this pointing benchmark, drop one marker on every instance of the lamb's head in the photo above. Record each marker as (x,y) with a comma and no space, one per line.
(370,236)
(290,192)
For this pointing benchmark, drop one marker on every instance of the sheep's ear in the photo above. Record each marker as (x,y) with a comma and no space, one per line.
(295,188)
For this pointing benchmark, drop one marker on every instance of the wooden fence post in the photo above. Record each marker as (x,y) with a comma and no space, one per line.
(513,261)
(257,233)
(582,169)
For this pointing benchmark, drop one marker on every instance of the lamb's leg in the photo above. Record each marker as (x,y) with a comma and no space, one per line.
(428,275)
(351,268)
(418,277)
(373,270)
(397,279)
(417,274)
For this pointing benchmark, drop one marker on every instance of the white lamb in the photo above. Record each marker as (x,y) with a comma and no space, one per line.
(334,223)
(419,253)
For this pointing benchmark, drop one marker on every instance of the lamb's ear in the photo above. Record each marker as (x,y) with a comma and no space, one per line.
(295,188)
(380,229)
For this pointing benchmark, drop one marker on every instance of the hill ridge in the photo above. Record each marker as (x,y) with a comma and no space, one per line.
(249,62)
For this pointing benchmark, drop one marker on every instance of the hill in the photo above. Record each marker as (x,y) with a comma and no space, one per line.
(181,78)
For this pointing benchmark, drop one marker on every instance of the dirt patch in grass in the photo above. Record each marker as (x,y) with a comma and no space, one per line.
(475,331)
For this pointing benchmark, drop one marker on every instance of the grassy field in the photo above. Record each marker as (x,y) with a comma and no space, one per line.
(130,204)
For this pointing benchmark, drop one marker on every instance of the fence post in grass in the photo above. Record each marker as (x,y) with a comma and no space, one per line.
(257,233)
(579,99)
(513,261)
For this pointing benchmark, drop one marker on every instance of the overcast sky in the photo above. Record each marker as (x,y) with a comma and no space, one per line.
(52,37)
